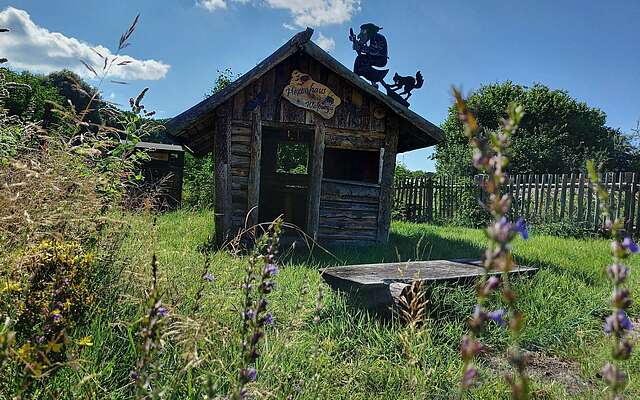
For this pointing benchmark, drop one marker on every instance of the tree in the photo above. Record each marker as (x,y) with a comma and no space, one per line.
(198,191)
(31,96)
(402,172)
(557,134)
(73,88)
(224,79)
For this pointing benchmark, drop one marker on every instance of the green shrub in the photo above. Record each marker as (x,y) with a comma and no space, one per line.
(198,182)
(565,229)
(48,293)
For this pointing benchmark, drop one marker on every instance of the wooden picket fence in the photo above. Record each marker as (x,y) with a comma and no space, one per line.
(539,198)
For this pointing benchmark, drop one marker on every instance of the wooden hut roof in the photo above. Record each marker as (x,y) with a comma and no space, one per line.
(416,133)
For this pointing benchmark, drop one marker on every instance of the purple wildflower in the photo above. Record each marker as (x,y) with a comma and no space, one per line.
(493,282)
(521,227)
(469,376)
(267,286)
(163,312)
(55,314)
(497,316)
(490,285)
(622,350)
(208,277)
(469,347)
(249,374)
(617,322)
(267,319)
(630,245)
(500,230)
(248,314)
(270,270)
(614,376)
(618,273)
(262,305)
(621,298)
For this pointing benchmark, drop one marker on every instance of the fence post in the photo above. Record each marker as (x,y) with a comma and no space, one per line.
(429,199)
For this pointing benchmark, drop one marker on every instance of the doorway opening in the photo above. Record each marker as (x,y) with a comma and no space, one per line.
(285,169)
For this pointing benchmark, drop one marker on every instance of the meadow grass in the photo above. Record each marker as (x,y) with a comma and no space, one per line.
(349,353)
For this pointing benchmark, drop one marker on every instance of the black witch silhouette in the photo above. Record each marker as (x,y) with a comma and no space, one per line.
(373,54)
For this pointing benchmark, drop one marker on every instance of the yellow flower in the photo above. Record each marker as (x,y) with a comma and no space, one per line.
(24,352)
(11,287)
(85,341)
(54,346)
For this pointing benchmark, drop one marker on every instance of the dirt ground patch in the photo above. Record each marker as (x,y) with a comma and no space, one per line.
(544,368)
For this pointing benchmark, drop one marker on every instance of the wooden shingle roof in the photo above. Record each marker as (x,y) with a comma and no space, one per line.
(416,133)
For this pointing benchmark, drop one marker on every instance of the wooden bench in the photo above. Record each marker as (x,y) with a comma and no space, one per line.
(380,286)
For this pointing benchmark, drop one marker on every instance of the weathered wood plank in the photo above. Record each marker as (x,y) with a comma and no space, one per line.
(253,189)
(372,283)
(333,191)
(547,205)
(315,181)
(572,191)
(222,155)
(632,202)
(563,196)
(580,198)
(327,206)
(354,139)
(388,168)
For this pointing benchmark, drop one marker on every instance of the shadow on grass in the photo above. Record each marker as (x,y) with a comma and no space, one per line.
(400,248)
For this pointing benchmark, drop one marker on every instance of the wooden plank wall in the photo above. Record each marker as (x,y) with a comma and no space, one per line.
(539,198)
(348,211)
(240,161)
(359,123)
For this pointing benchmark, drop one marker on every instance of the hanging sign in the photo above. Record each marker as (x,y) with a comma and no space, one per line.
(304,92)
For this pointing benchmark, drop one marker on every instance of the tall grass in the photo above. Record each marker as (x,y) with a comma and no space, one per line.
(347,353)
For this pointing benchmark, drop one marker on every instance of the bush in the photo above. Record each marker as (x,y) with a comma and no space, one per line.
(48,293)
(469,212)
(566,229)
(198,182)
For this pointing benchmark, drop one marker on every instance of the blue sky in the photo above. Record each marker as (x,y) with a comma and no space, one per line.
(589,48)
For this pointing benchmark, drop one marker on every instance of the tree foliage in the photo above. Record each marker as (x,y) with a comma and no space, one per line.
(402,172)
(34,96)
(198,190)
(557,134)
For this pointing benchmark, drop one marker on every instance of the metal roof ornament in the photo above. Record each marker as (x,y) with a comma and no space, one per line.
(371,48)
(372,51)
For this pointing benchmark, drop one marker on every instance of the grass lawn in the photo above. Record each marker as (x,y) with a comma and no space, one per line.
(349,353)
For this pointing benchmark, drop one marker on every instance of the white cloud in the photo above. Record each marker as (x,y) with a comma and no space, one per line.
(326,43)
(318,12)
(305,13)
(32,47)
(212,5)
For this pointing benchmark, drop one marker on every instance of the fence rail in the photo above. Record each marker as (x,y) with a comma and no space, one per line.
(536,197)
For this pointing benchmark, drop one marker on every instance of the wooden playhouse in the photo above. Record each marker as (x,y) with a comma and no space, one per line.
(303,136)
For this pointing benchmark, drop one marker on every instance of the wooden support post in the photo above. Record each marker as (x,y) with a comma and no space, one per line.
(315,181)
(388,169)
(222,158)
(253,194)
